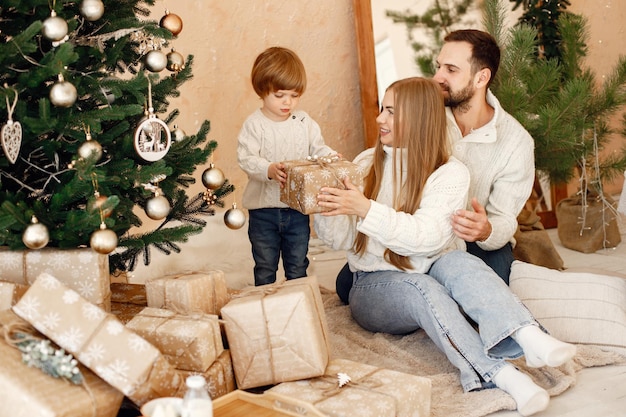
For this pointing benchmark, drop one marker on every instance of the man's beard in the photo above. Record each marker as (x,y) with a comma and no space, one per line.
(459,100)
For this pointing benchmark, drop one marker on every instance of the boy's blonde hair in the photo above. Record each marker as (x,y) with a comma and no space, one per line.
(278,68)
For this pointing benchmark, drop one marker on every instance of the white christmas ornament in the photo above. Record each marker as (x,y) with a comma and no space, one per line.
(63,93)
(11,134)
(35,235)
(234,218)
(54,28)
(92,10)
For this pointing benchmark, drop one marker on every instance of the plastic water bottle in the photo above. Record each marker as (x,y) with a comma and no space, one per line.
(196,402)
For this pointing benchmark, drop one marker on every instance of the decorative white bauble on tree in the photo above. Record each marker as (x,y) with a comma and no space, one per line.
(156,61)
(178,134)
(213,178)
(158,207)
(35,235)
(104,240)
(92,10)
(90,148)
(63,93)
(234,218)
(54,28)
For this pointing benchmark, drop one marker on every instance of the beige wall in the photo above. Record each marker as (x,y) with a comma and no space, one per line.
(226,36)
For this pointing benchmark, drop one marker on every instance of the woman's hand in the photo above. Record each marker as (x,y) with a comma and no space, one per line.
(348,201)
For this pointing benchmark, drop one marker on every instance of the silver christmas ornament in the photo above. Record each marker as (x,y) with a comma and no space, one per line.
(63,93)
(178,134)
(90,148)
(92,10)
(35,235)
(158,207)
(104,240)
(234,218)
(213,178)
(54,28)
(155,61)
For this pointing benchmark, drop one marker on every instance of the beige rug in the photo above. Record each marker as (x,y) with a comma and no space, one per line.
(416,354)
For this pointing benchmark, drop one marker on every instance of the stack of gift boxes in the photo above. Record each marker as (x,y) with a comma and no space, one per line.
(142,341)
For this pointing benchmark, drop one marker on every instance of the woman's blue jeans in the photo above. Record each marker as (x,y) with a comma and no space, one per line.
(276,232)
(457,284)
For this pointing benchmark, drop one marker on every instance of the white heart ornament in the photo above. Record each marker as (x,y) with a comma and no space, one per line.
(11,137)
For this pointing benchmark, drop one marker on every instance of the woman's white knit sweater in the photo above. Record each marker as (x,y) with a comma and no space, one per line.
(501,161)
(423,236)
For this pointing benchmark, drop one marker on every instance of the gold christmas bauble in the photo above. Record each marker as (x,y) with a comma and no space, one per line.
(54,28)
(35,235)
(178,134)
(92,10)
(158,207)
(213,178)
(63,94)
(171,22)
(234,218)
(155,61)
(103,241)
(90,148)
(175,61)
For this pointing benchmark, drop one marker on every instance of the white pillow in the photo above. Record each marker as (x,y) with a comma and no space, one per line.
(577,307)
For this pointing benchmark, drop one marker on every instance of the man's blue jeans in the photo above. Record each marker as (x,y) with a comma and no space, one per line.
(276,232)
(456,285)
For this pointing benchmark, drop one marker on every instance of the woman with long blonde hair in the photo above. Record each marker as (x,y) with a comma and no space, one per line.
(411,271)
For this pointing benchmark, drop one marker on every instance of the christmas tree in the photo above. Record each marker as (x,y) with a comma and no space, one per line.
(559,101)
(87,135)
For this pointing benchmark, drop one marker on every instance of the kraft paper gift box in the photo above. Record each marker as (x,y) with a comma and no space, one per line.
(190,342)
(189,292)
(99,341)
(83,270)
(371,391)
(277,332)
(125,312)
(220,376)
(27,391)
(10,293)
(305,177)
(122,292)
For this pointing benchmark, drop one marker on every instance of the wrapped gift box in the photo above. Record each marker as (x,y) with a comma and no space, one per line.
(193,292)
(122,292)
(220,376)
(83,270)
(305,178)
(10,293)
(99,341)
(26,391)
(190,342)
(371,391)
(277,332)
(125,312)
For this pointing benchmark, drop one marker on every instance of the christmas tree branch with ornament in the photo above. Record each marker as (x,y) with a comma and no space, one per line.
(88,135)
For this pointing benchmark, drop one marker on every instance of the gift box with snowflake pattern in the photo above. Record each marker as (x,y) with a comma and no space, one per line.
(99,341)
(190,342)
(277,332)
(347,386)
(305,177)
(10,293)
(26,391)
(219,376)
(83,270)
(189,292)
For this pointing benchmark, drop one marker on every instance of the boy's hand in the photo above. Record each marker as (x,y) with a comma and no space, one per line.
(276,172)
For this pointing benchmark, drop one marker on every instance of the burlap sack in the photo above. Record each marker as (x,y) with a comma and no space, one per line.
(533,244)
(597,230)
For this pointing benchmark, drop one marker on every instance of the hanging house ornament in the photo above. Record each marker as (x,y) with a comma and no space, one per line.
(11,134)
(152,137)
(171,22)
(63,93)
